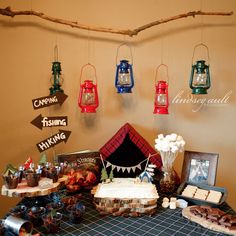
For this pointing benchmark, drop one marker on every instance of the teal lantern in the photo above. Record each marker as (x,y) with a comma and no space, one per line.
(200,80)
(56,78)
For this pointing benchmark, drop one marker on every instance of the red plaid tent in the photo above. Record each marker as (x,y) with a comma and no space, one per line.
(114,143)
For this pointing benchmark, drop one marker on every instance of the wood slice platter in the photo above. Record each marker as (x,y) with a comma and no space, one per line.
(23,190)
(207,224)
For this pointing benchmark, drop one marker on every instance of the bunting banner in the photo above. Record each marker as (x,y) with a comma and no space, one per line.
(124,168)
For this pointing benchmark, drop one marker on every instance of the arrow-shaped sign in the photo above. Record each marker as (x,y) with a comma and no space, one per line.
(62,136)
(49,121)
(57,98)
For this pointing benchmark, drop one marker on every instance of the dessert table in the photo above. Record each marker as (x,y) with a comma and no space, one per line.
(164,222)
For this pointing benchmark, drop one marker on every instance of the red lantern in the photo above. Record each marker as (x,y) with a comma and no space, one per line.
(161,102)
(88,96)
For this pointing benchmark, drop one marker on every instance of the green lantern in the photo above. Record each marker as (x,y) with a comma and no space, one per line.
(200,80)
(56,78)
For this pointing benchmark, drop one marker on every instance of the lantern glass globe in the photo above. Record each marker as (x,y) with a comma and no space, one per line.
(161,99)
(199,80)
(124,79)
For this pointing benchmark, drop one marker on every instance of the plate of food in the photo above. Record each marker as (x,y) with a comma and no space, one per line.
(202,194)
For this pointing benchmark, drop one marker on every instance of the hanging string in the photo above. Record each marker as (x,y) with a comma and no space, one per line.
(127,167)
(147,162)
(102,161)
(56,58)
(151,155)
(88,46)
(201,24)
(56,53)
(31,4)
(162,44)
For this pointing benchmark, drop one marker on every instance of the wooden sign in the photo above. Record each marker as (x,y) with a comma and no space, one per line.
(49,121)
(62,136)
(57,98)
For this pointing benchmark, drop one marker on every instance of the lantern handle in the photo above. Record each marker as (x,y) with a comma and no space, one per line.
(117,52)
(201,45)
(93,67)
(167,74)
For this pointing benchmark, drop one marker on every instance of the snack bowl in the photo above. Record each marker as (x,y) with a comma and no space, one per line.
(52,173)
(11,181)
(18,211)
(2,228)
(32,178)
(34,214)
(71,200)
(52,221)
(76,212)
(57,206)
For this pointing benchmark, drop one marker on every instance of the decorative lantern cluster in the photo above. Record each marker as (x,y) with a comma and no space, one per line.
(200,75)
(56,78)
(161,102)
(88,94)
(124,80)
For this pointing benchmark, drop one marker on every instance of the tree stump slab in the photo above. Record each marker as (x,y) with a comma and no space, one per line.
(125,197)
(23,190)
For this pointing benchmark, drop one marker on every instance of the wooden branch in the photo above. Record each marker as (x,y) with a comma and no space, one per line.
(74,24)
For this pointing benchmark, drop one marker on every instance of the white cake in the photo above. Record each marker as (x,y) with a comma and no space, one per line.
(126,188)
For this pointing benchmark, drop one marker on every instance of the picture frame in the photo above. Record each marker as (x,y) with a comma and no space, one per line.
(199,167)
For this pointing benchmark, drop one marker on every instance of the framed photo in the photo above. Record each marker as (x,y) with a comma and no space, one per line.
(199,167)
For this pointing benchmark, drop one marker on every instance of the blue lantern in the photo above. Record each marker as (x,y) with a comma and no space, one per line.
(124,77)
(124,80)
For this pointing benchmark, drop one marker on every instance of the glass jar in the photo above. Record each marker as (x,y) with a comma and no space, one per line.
(168,180)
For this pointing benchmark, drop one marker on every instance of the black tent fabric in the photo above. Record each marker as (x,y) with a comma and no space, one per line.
(128,148)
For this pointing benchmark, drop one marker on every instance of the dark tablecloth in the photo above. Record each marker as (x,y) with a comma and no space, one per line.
(165,222)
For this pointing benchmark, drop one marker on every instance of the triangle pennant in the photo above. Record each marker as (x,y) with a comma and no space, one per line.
(134,168)
(128,169)
(123,169)
(118,168)
(139,167)
(113,167)
(151,173)
(108,164)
